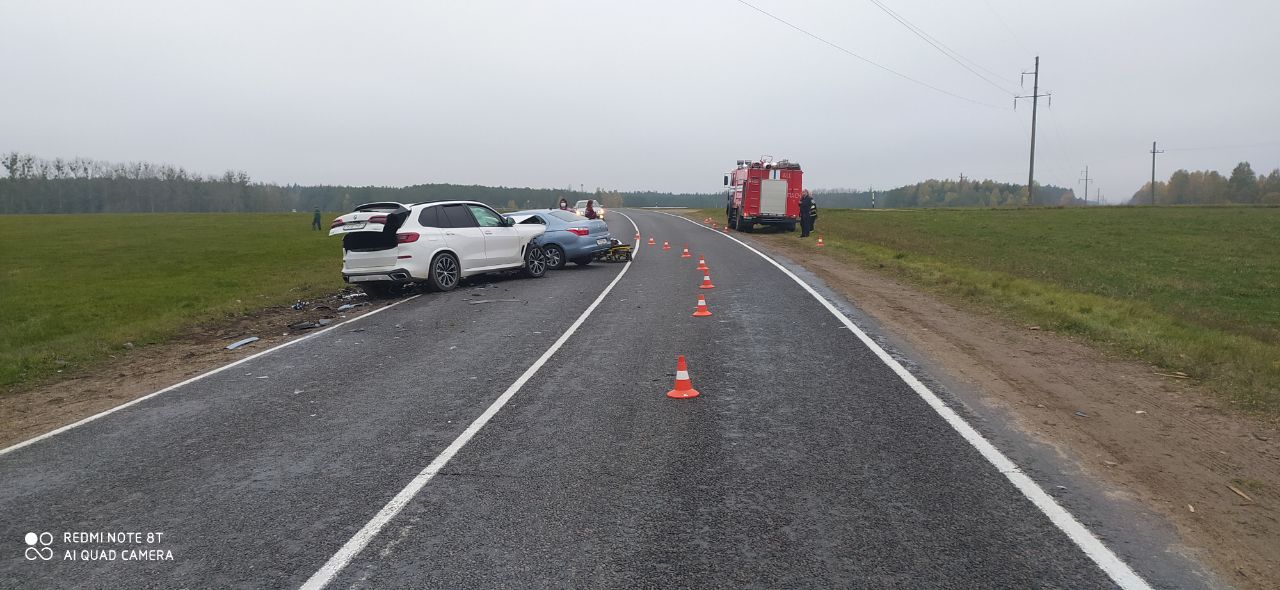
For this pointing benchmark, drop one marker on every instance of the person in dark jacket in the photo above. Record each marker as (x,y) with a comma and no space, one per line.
(806,214)
(315,219)
(564,205)
(590,213)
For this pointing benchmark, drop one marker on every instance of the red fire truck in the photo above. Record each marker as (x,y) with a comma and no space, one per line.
(763,192)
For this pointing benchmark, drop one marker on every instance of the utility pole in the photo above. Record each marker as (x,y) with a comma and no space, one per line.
(1099,194)
(1035,103)
(1154,151)
(873,197)
(1086,185)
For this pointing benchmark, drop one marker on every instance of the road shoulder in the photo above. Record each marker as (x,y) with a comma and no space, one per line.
(1157,443)
(32,410)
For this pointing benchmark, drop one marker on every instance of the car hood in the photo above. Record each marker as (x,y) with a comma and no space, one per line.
(528,231)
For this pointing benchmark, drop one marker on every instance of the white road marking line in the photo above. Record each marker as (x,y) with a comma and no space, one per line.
(198,377)
(1111,564)
(365,535)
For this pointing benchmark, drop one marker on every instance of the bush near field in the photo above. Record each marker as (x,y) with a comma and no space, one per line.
(75,288)
(1191,289)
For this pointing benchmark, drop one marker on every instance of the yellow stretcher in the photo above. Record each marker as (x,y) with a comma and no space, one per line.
(617,252)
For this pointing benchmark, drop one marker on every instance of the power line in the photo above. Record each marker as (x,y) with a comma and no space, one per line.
(1223,147)
(941,47)
(1012,33)
(852,54)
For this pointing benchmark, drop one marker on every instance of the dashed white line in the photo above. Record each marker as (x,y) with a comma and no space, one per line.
(1095,549)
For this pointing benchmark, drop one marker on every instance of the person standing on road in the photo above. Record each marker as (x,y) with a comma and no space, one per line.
(590,213)
(806,211)
(564,205)
(315,219)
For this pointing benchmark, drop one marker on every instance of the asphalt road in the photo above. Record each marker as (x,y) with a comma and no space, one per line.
(806,462)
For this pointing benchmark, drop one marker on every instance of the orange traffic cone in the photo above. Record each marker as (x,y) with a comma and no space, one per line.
(706,282)
(651,242)
(666,245)
(702,263)
(820,244)
(684,387)
(686,254)
(701,310)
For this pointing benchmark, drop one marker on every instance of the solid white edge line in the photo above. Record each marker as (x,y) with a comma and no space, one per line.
(197,378)
(366,534)
(1111,564)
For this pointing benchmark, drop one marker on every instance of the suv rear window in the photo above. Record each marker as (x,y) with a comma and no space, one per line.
(429,217)
(456,216)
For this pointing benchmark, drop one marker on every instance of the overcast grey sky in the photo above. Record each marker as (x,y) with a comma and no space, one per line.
(659,95)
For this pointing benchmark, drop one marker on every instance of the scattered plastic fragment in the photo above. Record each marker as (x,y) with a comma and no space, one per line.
(239,343)
(1081,414)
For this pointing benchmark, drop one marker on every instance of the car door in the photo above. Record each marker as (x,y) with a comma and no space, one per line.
(501,242)
(464,236)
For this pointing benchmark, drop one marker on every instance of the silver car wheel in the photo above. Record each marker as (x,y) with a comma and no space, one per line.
(446,272)
(537,261)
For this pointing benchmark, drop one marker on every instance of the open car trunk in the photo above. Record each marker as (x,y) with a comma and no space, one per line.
(371,227)
(369,235)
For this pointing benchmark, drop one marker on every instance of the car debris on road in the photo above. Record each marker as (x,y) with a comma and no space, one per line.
(239,343)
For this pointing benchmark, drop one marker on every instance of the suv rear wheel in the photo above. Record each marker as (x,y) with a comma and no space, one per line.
(535,261)
(445,272)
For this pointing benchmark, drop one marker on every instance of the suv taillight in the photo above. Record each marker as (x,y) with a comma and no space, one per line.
(579,231)
(407,237)
(337,223)
(378,219)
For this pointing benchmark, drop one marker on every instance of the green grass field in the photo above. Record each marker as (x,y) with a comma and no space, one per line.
(1191,289)
(75,288)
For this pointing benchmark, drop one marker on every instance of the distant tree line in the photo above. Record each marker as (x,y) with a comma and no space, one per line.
(964,192)
(1210,187)
(81,185)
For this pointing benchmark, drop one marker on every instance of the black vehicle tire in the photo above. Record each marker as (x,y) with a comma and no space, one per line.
(555,256)
(742,225)
(582,261)
(445,272)
(535,262)
(384,290)
(728,216)
(790,228)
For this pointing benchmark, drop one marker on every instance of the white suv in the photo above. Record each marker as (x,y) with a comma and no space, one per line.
(387,246)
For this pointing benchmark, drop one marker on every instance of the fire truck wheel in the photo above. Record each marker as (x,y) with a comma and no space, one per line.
(555,256)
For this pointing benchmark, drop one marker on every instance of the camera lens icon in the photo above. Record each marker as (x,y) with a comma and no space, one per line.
(38,546)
